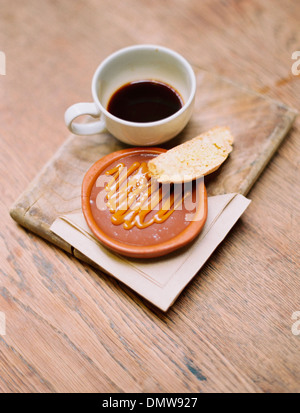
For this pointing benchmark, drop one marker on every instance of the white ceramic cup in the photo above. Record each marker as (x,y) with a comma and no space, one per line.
(141,62)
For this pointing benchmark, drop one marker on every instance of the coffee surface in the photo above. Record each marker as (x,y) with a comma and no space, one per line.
(145,101)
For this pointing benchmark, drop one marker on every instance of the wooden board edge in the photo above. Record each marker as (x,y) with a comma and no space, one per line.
(277,135)
(34,226)
(42,230)
(247,89)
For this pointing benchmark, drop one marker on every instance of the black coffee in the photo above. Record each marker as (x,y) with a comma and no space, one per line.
(144,101)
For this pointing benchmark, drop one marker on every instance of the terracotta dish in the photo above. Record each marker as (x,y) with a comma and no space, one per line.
(136,216)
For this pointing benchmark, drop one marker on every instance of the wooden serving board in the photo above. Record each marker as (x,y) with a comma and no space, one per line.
(257,123)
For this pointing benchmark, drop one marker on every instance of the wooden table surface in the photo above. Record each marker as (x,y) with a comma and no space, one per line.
(72,329)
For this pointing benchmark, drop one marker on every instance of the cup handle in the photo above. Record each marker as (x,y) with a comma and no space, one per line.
(84,128)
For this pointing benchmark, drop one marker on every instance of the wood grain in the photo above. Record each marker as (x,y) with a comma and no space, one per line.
(258,124)
(71,328)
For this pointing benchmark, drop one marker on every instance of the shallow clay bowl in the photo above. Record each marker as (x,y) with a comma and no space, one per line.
(157,239)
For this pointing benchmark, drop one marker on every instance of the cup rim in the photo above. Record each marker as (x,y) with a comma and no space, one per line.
(178,56)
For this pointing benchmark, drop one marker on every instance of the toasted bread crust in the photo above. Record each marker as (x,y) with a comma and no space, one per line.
(197,157)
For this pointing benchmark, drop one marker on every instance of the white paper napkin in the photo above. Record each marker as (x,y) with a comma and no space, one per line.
(159,280)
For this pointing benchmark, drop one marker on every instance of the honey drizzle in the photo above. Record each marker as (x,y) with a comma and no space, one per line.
(132,195)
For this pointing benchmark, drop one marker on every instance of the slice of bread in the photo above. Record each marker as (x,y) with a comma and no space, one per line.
(197,157)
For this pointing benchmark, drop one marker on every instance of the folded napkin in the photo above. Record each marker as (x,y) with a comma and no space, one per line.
(159,280)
